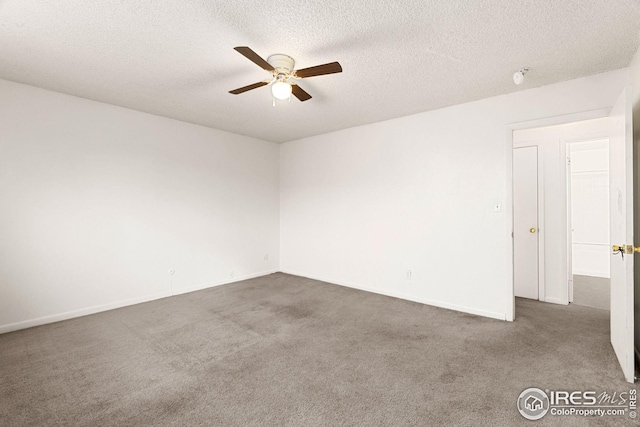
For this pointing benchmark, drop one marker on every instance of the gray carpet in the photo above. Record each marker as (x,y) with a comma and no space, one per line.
(282,350)
(592,292)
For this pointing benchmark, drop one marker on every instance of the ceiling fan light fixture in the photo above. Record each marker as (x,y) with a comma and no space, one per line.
(281,90)
(281,69)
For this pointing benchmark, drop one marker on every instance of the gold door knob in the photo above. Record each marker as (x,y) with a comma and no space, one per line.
(532,230)
(625,249)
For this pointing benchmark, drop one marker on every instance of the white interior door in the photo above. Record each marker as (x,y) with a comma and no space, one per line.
(621,225)
(525,222)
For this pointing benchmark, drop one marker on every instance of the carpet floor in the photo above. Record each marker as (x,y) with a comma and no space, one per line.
(282,350)
(592,292)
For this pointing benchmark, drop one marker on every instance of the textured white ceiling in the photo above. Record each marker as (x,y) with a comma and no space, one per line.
(175,58)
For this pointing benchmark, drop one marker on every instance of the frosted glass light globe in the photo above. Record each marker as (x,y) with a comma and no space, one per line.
(281,90)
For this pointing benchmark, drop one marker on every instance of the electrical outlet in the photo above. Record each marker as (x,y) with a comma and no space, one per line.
(232,274)
(266,257)
(408,275)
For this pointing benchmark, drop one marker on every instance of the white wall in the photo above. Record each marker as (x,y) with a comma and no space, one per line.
(361,206)
(99,202)
(590,208)
(552,151)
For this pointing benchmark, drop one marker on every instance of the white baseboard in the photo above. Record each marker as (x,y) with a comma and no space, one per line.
(118,304)
(201,286)
(441,304)
(556,301)
(79,313)
(592,273)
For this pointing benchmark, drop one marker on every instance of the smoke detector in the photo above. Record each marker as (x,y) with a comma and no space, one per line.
(518,76)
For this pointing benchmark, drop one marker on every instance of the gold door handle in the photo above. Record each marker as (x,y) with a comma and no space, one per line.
(625,249)
(532,230)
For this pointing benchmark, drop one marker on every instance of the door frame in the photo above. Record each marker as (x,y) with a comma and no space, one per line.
(569,214)
(510,300)
(566,143)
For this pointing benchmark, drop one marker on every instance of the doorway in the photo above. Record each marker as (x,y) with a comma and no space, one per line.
(542,206)
(552,141)
(588,223)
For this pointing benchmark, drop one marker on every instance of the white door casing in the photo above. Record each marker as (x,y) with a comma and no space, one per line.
(621,231)
(525,222)
(569,224)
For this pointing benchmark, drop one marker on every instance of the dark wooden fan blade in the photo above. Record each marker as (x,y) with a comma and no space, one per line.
(299,93)
(246,88)
(254,57)
(318,70)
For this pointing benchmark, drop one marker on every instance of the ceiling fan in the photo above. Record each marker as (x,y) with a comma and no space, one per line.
(283,76)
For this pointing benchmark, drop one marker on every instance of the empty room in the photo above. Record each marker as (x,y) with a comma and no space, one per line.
(337,213)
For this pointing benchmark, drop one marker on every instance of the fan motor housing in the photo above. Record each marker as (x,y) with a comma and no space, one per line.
(282,63)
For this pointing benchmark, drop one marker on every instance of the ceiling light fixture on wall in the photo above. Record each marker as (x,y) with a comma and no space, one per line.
(518,76)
